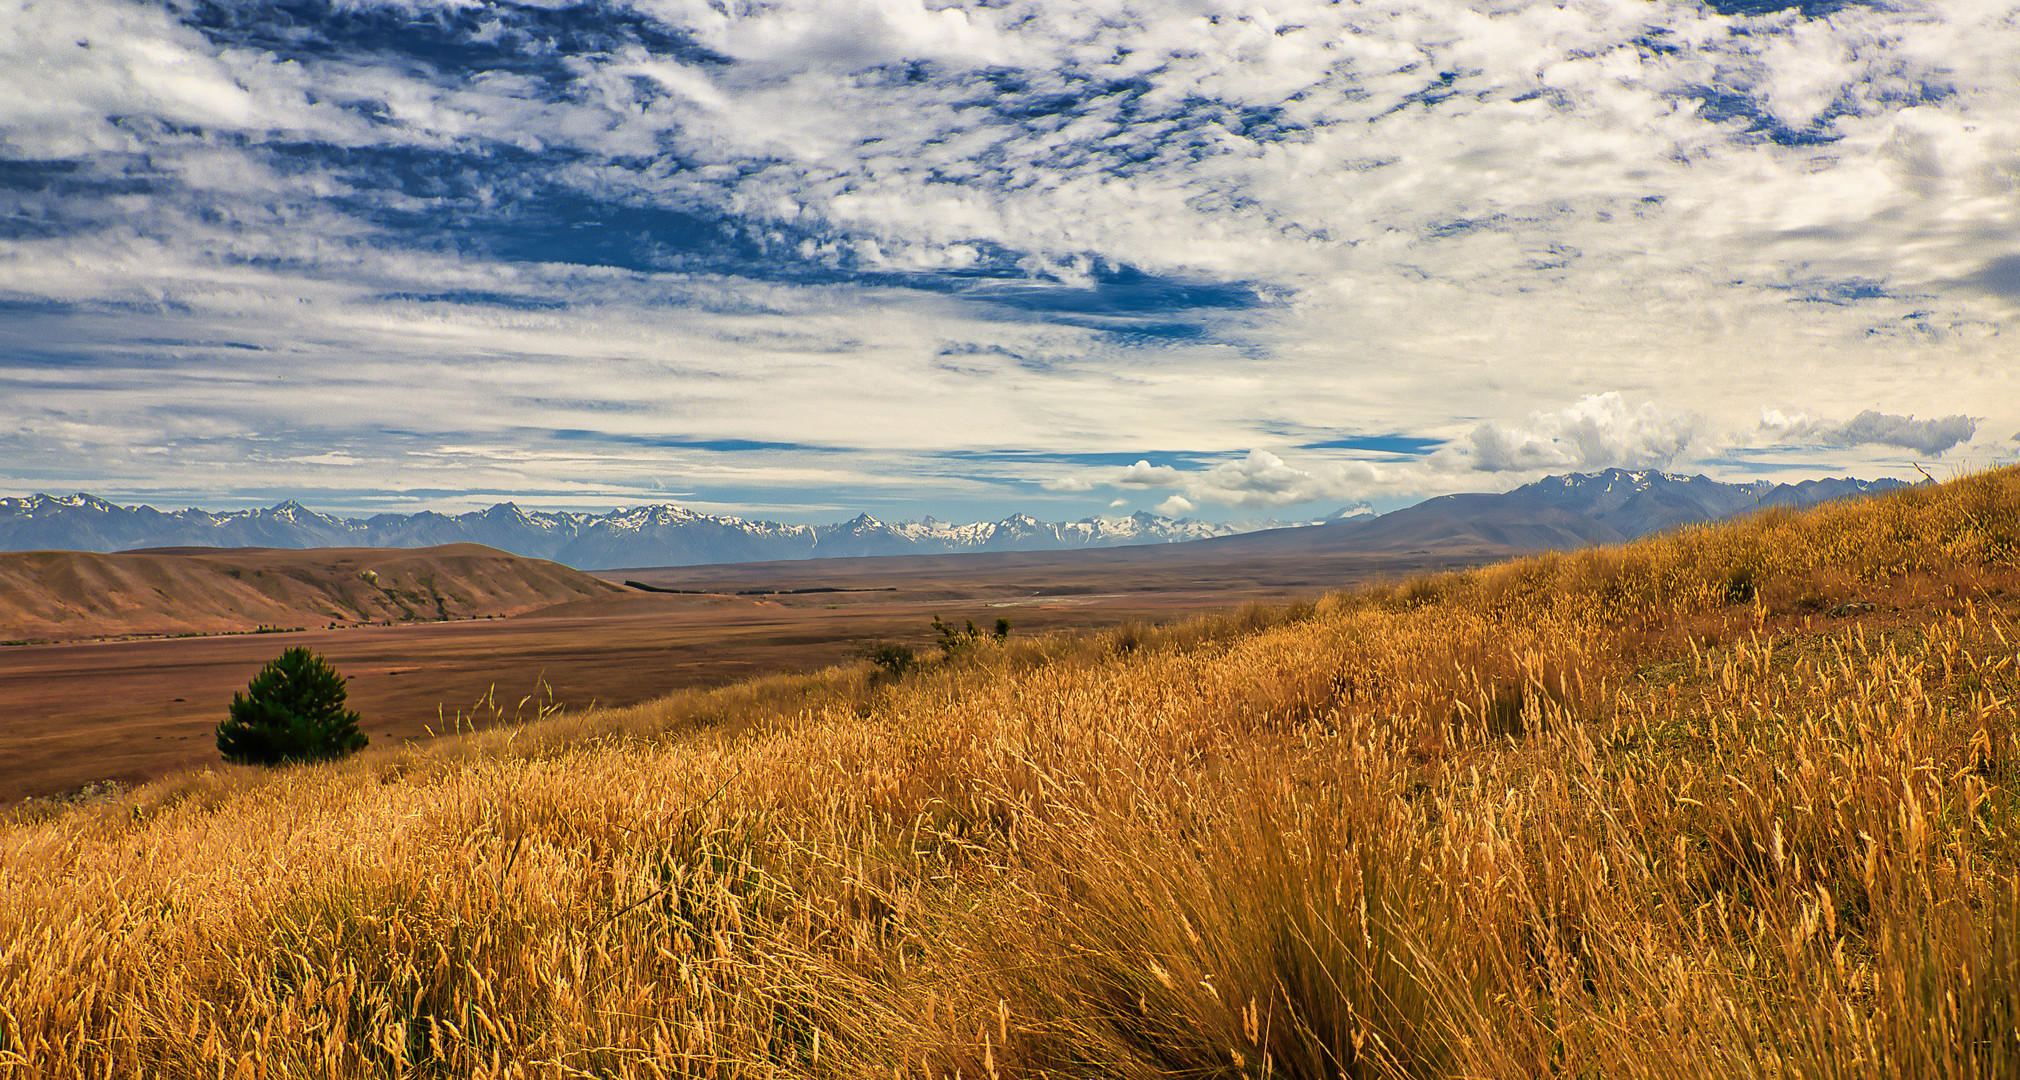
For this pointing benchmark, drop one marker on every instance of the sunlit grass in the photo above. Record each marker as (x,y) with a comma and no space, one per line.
(1644,811)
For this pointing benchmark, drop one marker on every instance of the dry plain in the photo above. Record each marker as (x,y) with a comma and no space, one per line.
(136,709)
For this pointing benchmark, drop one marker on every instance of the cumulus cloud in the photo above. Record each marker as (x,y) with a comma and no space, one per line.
(1176,506)
(1601,431)
(1260,479)
(1145,475)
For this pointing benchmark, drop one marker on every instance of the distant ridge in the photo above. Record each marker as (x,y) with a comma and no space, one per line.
(659,535)
(1640,503)
(70,595)
(1556,512)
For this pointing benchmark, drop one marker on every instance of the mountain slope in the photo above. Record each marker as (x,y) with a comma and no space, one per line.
(68,595)
(1557,513)
(1498,817)
(1643,502)
(1448,525)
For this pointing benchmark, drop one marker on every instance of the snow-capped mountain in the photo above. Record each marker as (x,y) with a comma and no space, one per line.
(1623,504)
(659,535)
(1646,501)
(1559,513)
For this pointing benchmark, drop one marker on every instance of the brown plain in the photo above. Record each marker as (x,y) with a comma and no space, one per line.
(132,710)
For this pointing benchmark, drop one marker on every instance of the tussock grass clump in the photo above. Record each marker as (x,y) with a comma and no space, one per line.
(1740,801)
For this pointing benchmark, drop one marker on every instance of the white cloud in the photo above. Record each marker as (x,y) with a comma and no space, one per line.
(1264,479)
(1145,475)
(1601,431)
(1176,506)
(1607,196)
(1260,479)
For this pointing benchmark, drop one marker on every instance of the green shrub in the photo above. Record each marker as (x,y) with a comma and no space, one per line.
(894,660)
(292,711)
(956,641)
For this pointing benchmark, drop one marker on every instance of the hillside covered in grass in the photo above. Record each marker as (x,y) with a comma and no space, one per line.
(1739,801)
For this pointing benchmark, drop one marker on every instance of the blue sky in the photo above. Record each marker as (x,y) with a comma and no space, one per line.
(808,258)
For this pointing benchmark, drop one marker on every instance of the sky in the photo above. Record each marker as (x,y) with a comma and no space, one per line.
(804,259)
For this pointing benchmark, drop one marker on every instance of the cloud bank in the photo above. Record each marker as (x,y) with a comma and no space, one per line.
(1928,436)
(1875,428)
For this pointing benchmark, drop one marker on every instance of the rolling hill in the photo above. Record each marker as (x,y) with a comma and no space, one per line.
(70,595)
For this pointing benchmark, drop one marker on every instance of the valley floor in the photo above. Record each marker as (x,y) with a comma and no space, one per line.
(132,711)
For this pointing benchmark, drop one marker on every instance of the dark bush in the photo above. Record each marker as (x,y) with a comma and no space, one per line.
(292,711)
(954,641)
(1742,584)
(894,660)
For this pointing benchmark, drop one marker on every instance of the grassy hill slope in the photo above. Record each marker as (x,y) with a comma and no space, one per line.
(1736,802)
(69,595)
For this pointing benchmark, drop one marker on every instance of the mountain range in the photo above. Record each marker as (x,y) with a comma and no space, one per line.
(659,535)
(1568,511)
(1555,513)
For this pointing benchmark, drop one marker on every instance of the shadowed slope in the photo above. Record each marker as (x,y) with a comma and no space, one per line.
(1477,526)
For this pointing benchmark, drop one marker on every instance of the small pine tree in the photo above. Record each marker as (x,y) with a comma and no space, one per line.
(292,711)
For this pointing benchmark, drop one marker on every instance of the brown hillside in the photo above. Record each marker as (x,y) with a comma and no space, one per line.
(74,595)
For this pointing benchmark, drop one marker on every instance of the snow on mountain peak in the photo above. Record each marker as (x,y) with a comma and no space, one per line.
(662,534)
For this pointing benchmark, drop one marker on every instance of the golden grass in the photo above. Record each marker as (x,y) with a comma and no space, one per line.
(1647,811)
